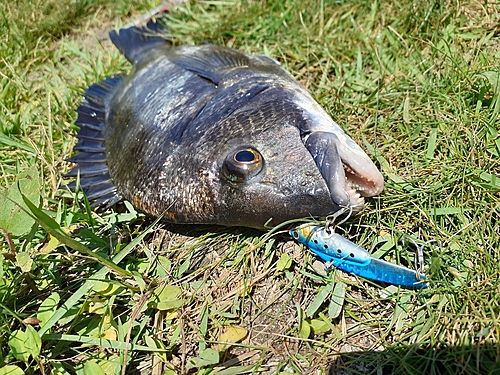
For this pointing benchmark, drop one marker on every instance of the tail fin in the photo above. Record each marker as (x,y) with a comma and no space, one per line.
(134,40)
(91,158)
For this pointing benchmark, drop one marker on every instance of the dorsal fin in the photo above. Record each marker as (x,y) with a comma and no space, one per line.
(210,61)
(135,40)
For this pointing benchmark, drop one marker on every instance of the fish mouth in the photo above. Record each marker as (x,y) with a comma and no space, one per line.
(358,187)
(348,172)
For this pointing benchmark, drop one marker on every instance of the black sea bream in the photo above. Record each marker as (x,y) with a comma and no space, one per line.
(209,134)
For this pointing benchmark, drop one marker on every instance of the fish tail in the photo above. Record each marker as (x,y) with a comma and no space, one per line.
(133,41)
(91,157)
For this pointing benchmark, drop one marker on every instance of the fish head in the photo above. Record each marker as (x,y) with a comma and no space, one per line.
(270,178)
(271,173)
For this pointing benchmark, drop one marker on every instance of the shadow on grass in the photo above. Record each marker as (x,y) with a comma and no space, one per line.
(481,359)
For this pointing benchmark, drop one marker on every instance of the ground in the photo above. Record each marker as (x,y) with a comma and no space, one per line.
(416,84)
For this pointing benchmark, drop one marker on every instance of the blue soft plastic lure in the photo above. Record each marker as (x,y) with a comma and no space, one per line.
(347,256)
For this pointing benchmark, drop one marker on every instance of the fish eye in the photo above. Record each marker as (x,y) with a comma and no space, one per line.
(242,164)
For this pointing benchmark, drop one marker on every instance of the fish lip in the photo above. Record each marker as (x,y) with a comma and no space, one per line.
(349,173)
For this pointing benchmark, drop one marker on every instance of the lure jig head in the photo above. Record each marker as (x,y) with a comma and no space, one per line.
(340,252)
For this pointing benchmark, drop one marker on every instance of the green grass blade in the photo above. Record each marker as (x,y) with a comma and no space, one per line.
(431,144)
(54,229)
(12,142)
(87,286)
(103,343)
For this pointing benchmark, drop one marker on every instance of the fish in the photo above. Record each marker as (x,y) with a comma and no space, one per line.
(208,134)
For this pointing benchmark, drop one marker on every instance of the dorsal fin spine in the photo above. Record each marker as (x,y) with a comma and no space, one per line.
(135,40)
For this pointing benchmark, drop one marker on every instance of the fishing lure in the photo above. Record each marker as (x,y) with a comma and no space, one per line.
(340,252)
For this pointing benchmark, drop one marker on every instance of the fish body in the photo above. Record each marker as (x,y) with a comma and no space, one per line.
(211,135)
(349,257)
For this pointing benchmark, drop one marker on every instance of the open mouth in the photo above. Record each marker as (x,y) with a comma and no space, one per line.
(358,187)
(356,200)
(348,172)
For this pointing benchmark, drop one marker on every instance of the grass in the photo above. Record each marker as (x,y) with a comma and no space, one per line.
(415,83)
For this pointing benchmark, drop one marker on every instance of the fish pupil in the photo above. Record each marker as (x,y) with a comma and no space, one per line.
(244,156)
